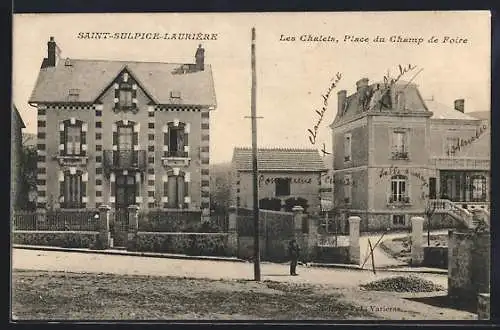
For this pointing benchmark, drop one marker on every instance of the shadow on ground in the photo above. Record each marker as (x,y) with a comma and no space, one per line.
(443,301)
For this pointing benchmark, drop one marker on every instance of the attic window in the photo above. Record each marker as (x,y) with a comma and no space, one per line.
(175,94)
(73,95)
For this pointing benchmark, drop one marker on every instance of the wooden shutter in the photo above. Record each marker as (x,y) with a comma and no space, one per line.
(83,190)
(62,138)
(115,138)
(135,138)
(83,140)
(62,190)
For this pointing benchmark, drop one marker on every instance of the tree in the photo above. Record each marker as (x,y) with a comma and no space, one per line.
(28,178)
(220,187)
(430,209)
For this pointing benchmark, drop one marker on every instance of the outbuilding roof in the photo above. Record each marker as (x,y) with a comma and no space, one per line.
(279,159)
(442,111)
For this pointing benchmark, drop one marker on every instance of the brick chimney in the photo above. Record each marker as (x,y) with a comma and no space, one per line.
(51,52)
(200,58)
(341,98)
(460,105)
(362,84)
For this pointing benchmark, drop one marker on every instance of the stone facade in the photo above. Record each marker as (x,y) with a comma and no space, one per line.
(303,185)
(390,160)
(284,175)
(468,264)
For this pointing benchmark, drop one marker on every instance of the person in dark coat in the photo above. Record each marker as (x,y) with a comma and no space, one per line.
(294,252)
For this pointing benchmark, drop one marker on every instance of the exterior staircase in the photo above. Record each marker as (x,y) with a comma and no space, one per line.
(470,217)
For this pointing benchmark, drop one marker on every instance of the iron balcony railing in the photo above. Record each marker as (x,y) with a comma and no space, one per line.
(130,159)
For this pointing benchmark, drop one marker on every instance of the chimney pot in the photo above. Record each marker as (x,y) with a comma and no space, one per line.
(200,58)
(460,105)
(362,83)
(341,98)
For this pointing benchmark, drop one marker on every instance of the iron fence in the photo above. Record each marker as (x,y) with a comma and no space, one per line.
(57,220)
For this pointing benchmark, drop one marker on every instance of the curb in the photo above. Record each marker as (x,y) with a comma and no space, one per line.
(404,269)
(127,253)
(214,258)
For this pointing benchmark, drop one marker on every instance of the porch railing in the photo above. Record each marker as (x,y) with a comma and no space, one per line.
(130,159)
(461,163)
(459,213)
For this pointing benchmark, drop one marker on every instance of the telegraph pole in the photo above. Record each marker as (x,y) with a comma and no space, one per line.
(256,244)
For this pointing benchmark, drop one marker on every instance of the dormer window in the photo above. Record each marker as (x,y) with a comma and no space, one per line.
(73,95)
(175,94)
(125,98)
(125,93)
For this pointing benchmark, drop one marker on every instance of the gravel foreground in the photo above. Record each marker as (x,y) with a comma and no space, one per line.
(71,296)
(41,295)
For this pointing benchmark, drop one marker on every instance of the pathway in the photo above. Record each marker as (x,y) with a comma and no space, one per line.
(132,265)
(381,258)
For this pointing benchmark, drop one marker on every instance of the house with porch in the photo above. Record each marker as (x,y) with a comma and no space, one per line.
(396,153)
(123,133)
(287,177)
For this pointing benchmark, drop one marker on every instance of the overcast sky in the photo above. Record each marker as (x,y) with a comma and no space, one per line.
(291,76)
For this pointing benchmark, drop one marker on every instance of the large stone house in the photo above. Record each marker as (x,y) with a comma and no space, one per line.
(123,132)
(285,177)
(394,152)
(16,153)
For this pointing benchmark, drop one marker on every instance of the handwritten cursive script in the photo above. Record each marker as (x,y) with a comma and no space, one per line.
(381,95)
(314,131)
(462,143)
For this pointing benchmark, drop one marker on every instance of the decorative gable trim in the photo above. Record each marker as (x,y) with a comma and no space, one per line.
(130,76)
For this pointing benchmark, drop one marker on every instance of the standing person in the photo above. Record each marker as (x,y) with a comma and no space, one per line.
(293,251)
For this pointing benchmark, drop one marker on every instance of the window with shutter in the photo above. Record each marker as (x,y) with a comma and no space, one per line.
(72,138)
(176,139)
(72,190)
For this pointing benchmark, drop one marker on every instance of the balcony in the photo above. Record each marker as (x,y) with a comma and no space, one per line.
(125,160)
(461,163)
(176,158)
(400,155)
(398,201)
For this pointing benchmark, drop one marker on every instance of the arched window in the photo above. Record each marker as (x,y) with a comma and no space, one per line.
(399,188)
(479,187)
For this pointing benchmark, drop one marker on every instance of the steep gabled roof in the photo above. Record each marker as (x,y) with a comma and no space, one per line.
(279,159)
(92,77)
(17,116)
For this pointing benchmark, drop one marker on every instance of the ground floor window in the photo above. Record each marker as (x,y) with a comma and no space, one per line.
(398,188)
(463,187)
(478,188)
(398,219)
(72,191)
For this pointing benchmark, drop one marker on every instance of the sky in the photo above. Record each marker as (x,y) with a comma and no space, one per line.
(292,76)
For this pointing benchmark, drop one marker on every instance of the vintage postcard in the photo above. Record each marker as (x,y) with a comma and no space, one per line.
(251,166)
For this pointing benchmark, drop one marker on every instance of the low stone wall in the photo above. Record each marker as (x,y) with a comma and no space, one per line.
(67,239)
(483,306)
(436,256)
(468,264)
(332,254)
(200,244)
